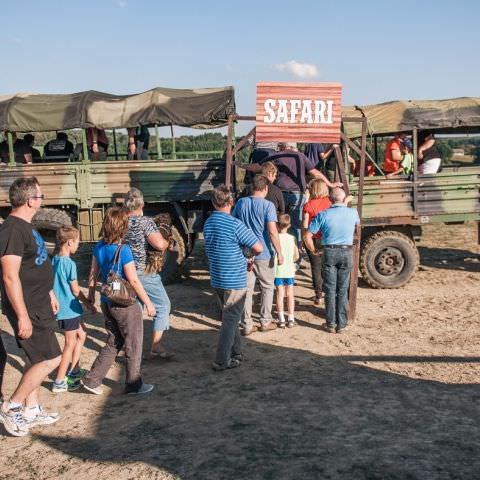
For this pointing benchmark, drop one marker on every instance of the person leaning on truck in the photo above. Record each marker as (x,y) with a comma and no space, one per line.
(293,168)
(337,225)
(393,156)
(226,238)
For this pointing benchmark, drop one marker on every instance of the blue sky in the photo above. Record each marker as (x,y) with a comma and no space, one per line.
(379,50)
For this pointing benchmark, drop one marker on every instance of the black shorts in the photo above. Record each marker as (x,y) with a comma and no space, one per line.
(42,345)
(70,324)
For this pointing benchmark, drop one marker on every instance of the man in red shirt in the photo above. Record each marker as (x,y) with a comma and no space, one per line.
(393,155)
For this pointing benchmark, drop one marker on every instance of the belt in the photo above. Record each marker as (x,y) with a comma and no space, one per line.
(291,191)
(345,247)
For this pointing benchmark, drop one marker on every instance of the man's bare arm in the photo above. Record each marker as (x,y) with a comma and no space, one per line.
(13,288)
(318,174)
(308,240)
(251,167)
(273,234)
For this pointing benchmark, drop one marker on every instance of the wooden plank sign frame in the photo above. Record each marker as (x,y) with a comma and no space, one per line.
(298,112)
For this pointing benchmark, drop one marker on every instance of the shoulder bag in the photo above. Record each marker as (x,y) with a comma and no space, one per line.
(116,288)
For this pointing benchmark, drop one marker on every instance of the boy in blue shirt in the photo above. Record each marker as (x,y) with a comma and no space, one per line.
(69,316)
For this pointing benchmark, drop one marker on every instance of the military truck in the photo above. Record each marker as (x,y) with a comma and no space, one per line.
(78,189)
(393,210)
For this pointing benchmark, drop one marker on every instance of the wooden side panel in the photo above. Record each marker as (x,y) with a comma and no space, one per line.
(58,182)
(298,112)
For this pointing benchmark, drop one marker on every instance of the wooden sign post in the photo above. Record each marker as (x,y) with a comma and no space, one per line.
(298,112)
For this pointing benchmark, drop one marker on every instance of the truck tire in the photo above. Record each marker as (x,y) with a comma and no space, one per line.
(174,258)
(388,259)
(47,221)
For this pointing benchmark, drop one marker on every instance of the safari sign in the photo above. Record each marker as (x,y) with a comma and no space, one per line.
(298,112)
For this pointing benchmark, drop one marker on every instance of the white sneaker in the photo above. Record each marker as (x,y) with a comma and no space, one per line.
(96,390)
(14,422)
(42,418)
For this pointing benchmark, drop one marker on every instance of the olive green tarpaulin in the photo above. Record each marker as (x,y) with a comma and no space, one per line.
(456,115)
(197,108)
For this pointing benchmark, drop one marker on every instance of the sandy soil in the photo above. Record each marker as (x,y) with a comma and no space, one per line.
(398,397)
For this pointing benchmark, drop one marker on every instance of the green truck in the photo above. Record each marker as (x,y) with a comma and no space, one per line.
(79,190)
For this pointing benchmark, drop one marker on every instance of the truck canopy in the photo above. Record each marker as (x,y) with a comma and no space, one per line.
(455,115)
(196,108)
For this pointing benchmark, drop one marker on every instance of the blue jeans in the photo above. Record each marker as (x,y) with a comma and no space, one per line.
(294,202)
(156,291)
(336,267)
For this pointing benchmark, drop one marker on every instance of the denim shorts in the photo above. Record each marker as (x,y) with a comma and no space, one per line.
(156,291)
(284,282)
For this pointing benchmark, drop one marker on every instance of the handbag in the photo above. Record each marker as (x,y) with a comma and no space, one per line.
(117,289)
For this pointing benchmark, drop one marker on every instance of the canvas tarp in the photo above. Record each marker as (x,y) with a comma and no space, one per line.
(456,115)
(197,108)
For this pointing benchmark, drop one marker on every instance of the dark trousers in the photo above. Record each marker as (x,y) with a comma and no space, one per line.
(316,264)
(232,304)
(336,268)
(3,363)
(125,329)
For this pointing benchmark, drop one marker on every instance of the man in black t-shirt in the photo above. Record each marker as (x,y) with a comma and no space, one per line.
(60,147)
(28,301)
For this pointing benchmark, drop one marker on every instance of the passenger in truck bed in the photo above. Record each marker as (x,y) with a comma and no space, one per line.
(60,147)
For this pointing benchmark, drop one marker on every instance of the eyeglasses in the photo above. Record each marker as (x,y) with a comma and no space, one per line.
(42,196)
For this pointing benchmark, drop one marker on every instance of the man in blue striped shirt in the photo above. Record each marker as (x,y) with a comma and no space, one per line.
(225,237)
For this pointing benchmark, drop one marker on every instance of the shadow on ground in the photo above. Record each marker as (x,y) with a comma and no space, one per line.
(285,414)
(288,414)
(449,259)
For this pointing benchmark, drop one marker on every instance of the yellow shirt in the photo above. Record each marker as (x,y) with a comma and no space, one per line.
(287,269)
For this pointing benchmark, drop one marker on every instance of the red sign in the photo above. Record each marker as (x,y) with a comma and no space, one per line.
(298,112)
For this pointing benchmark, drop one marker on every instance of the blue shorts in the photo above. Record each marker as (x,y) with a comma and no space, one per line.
(284,281)
(70,324)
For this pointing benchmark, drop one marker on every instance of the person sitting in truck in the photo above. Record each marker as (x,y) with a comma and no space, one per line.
(22,154)
(393,156)
(407,161)
(60,148)
(97,143)
(28,141)
(428,154)
(138,142)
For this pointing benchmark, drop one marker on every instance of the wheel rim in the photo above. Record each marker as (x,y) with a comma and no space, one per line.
(390,261)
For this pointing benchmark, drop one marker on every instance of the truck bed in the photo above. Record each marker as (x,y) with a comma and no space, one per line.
(452,195)
(93,183)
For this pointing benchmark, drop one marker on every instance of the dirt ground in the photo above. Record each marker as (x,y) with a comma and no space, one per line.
(397,397)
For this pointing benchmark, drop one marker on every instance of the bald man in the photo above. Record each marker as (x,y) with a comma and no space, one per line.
(337,225)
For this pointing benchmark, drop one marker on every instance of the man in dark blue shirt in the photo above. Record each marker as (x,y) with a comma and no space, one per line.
(337,225)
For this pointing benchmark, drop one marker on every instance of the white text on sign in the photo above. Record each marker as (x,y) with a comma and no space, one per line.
(298,111)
